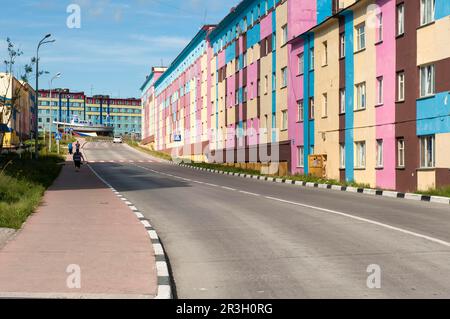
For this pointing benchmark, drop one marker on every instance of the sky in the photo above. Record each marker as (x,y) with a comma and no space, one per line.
(116,44)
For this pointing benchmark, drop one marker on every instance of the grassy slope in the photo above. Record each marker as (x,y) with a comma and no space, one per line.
(23,182)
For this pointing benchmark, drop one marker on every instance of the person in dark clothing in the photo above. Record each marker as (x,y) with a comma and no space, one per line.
(77,158)
(77,146)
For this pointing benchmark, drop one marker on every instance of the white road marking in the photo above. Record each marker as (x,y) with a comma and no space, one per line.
(248,193)
(229,188)
(432,239)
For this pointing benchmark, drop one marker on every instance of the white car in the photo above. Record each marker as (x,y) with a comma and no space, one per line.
(118,139)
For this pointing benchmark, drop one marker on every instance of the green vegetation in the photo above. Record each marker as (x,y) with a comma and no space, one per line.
(22,185)
(303,178)
(136,145)
(24,180)
(443,191)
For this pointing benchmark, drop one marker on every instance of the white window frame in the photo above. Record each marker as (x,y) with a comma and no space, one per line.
(342,156)
(325,53)
(301,63)
(427,11)
(311,108)
(360,154)
(400,19)
(427,155)
(401,152)
(380,91)
(342,45)
(324,105)
(300,156)
(311,59)
(401,86)
(284,77)
(284,120)
(342,101)
(300,110)
(379,30)
(427,80)
(361,96)
(360,37)
(284,32)
(379,154)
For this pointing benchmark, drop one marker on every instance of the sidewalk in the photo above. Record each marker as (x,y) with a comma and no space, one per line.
(80,222)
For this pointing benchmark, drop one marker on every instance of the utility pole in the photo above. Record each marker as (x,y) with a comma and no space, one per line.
(36,114)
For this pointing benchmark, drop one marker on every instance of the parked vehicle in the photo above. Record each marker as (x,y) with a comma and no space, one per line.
(118,139)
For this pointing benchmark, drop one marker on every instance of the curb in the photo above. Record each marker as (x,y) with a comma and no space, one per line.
(366,191)
(164,279)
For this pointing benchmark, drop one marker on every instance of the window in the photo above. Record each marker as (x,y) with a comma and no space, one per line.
(300,111)
(266,84)
(266,6)
(401,152)
(401,19)
(379,153)
(244,59)
(361,96)
(284,32)
(244,97)
(267,46)
(379,90)
(300,156)
(236,97)
(259,88)
(284,79)
(324,105)
(284,120)
(341,155)
(379,30)
(245,25)
(427,153)
(360,154)
(342,45)
(274,81)
(401,86)
(427,82)
(342,101)
(311,108)
(325,53)
(266,122)
(301,64)
(311,59)
(360,37)
(426,11)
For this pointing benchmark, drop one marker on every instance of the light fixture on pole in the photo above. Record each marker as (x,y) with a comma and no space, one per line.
(58,75)
(36,133)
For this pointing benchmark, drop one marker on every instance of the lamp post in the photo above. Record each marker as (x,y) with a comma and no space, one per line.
(58,75)
(36,134)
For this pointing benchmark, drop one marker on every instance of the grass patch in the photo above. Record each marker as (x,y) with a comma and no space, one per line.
(23,182)
(157,154)
(443,191)
(298,177)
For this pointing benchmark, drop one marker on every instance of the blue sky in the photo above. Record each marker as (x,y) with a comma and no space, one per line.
(117,43)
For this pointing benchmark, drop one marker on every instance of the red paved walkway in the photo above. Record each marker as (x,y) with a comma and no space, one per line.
(80,222)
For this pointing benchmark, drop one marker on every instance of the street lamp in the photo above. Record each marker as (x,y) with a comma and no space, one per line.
(36,147)
(58,75)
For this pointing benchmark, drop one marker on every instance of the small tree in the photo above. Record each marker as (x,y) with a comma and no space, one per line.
(10,98)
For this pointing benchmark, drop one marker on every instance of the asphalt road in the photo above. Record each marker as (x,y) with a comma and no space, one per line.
(230,237)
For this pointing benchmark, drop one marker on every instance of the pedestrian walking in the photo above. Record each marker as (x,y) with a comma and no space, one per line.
(77,158)
(77,146)
(70,148)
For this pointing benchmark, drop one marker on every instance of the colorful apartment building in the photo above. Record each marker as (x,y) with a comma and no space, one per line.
(17,99)
(363,83)
(65,105)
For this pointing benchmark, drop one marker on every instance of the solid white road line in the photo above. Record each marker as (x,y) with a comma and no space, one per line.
(432,239)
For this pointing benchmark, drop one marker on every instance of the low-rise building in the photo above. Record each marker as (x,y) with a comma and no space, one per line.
(65,106)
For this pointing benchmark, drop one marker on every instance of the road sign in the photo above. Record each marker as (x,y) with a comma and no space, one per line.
(58,137)
(177,138)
